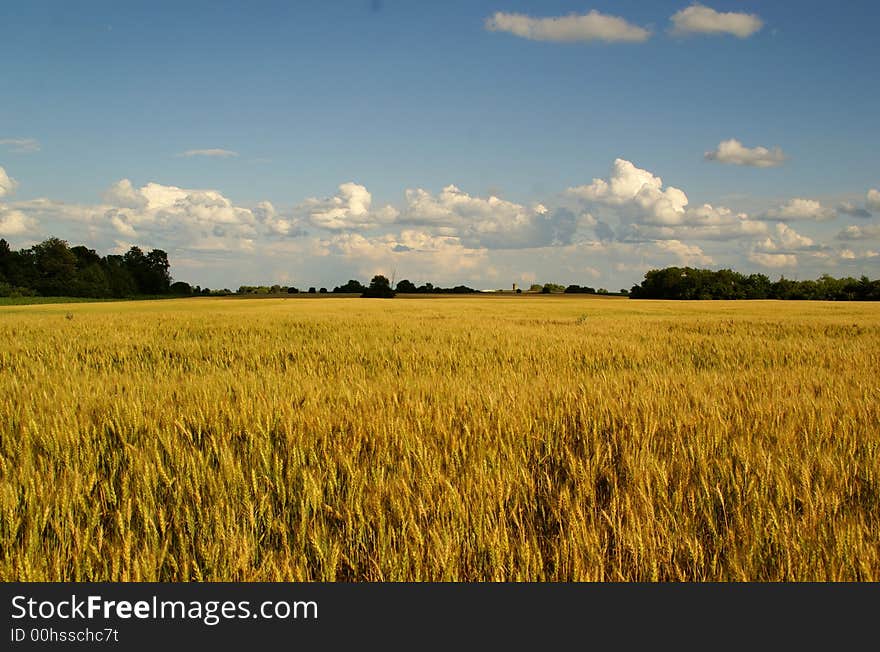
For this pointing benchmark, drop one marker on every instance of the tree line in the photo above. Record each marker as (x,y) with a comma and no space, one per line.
(54,268)
(692,283)
(380,285)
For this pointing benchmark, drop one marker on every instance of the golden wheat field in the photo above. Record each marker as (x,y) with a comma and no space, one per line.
(491,438)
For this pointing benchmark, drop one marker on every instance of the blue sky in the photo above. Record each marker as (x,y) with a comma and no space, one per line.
(278,104)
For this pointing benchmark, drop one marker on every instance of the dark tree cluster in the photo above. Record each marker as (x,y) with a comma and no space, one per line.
(267,289)
(380,288)
(352,287)
(408,287)
(54,268)
(580,289)
(556,288)
(403,287)
(691,283)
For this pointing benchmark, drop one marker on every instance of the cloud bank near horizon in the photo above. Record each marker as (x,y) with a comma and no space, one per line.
(612,227)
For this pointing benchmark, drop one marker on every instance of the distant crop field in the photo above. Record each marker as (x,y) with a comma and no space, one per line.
(478,438)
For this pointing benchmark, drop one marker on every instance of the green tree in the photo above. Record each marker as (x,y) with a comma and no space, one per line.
(119,277)
(149,271)
(181,288)
(352,287)
(380,287)
(55,267)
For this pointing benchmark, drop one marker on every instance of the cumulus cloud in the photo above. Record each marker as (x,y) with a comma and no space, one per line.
(276,224)
(637,190)
(790,239)
(685,253)
(650,211)
(773,260)
(20,145)
(738,227)
(873,200)
(349,209)
(699,19)
(58,211)
(160,215)
(860,232)
(213,153)
(203,218)
(7,183)
(846,255)
(603,230)
(448,236)
(491,222)
(785,239)
(14,222)
(735,153)
(414,253)
(785,247)
(848,208)
(592,26)
(123,194)
(718,222)
(800,209)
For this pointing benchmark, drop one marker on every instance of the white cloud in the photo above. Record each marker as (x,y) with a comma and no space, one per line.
(774,260)
(849,255)
(699,19)
(165,216)
(213,153)
(159,215)
(349,209)
(790,239)
(446,237)
(20,145)
(720,221)
(51,209)
(637,191)
(786,240)
(860,232)
(739,227)
(14,222)
(120,225)
(200,218)
(872,201)
(735,153)
(491,222)
(7,183)
(800,209)
(124,195)
(275,224)
(592,26)
(412,254)
(685,253)
(848,208)
(649,211)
